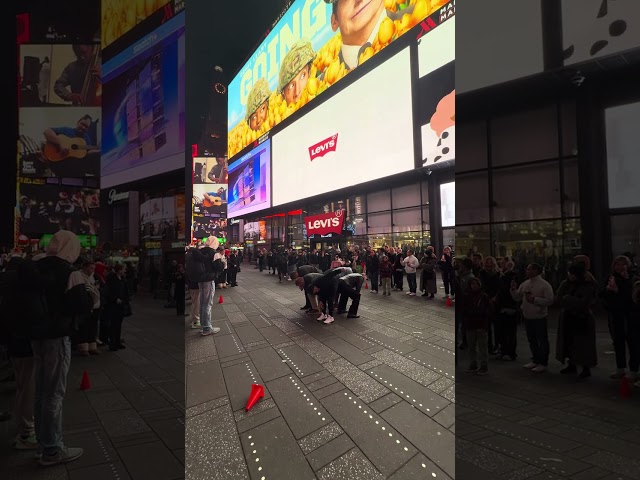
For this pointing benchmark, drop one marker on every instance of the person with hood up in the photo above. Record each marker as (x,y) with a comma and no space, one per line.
(204,259)
(54,299)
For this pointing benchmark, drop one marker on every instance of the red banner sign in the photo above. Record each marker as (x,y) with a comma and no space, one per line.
(322,148)
(325,224)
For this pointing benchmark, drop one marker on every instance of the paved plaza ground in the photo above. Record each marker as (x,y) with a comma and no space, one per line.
(366,398)
(514,424)
(131,422)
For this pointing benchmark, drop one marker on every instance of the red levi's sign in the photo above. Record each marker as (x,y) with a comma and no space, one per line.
(322,148)
(325,224)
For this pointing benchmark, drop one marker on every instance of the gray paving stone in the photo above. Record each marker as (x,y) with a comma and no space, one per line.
(440,385)
(447,416)
(145,400)
(535,455)
(381,443)
(258,320)
(203,407)
(316,349)
(299,360)
(165,466)
(318,438)
(271,451)
(329,452)
(227,345)
(412,392)
(533,436)
(324,382)
(420,374)
(274,335)
(591,474)
(357,381)
(385,402)
(595,440)
(351,466)
(391,344)
(97,449)
(269,364)
(354,339)
(309,379)
(171,431)
(629,467)
(221,459)
(253,421)
(437,443)
(238,380)
(248,334)
(303,413)
(261,406)
(105,471)
(420,467)
(329,390)
(123,422)
(430,349)
(482,463)
(206,383)
(349,352)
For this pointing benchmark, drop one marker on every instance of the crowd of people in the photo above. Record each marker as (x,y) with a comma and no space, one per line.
(495,298)
(51,302)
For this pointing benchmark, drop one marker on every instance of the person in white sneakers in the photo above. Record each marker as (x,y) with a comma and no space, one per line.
(536,295)
(410,264)
(326,288)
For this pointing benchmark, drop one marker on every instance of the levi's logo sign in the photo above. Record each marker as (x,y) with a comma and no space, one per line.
(325,224)
(325,146)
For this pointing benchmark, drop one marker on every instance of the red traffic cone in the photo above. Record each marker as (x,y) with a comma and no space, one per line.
(448,302)
(85,383)
(257,392)
(221,299)
(366,286)
(625,388)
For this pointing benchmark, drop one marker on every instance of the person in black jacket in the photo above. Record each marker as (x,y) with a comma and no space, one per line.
(326,287)
(52,300)
(118,299)
(490,279)
(204,260)
(303,283)
(16,339)
(281,262)
(349,287)
(233,265)
(372,262)
(448,272)
(301,272)
(507,313)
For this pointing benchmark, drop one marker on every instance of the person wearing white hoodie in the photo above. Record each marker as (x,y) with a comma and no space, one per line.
(410,264)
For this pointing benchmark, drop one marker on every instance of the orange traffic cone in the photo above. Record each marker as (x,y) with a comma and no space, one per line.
(85,383)
(448,302)
(366,286)
(257,392)
(221,299)
(625,388)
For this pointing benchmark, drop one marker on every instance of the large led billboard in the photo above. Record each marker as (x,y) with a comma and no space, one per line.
(120,16)
(313,46)
(143,108)
(348,139)
(250,181)
(623,168)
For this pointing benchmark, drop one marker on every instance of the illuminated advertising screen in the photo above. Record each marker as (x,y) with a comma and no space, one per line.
(448,204)
(46,209)
(210,170)
(255,231)
(144,104)
(314,45)
(623,168)
(56,75)
(250,181)
(59,142)
(120,16)
(348,140)
(210,198)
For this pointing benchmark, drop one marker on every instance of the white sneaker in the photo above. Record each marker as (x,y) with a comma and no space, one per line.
(195,325)
(412,294)
(322,318)
(530,365)
(408,293)
(328,320)
(539,369)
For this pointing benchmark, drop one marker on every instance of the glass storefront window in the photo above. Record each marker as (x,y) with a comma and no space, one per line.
(524,137)
(473,151)
(472,238)
(413,240)
(472,199)
(625,234)
(571,198)
(379,223)
(407,196)
(378,201)
(527,193)
(407,220)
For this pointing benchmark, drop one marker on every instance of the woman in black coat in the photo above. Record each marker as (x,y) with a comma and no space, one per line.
(117,305)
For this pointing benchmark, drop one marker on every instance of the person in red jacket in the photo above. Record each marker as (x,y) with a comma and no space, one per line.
(386,271)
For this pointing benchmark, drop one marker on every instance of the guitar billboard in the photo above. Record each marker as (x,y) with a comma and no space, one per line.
(59,142)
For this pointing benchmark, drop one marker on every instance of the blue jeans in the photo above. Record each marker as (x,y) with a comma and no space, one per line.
(538,338)
(411,280)
(52,358)
(207,294)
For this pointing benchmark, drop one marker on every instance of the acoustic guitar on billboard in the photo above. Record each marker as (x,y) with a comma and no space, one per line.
(70,147)
(212,201)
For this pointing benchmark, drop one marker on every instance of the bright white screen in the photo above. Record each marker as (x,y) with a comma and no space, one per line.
(448,204)
(623,168)
(438,47)
(497,42)
(373,120)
